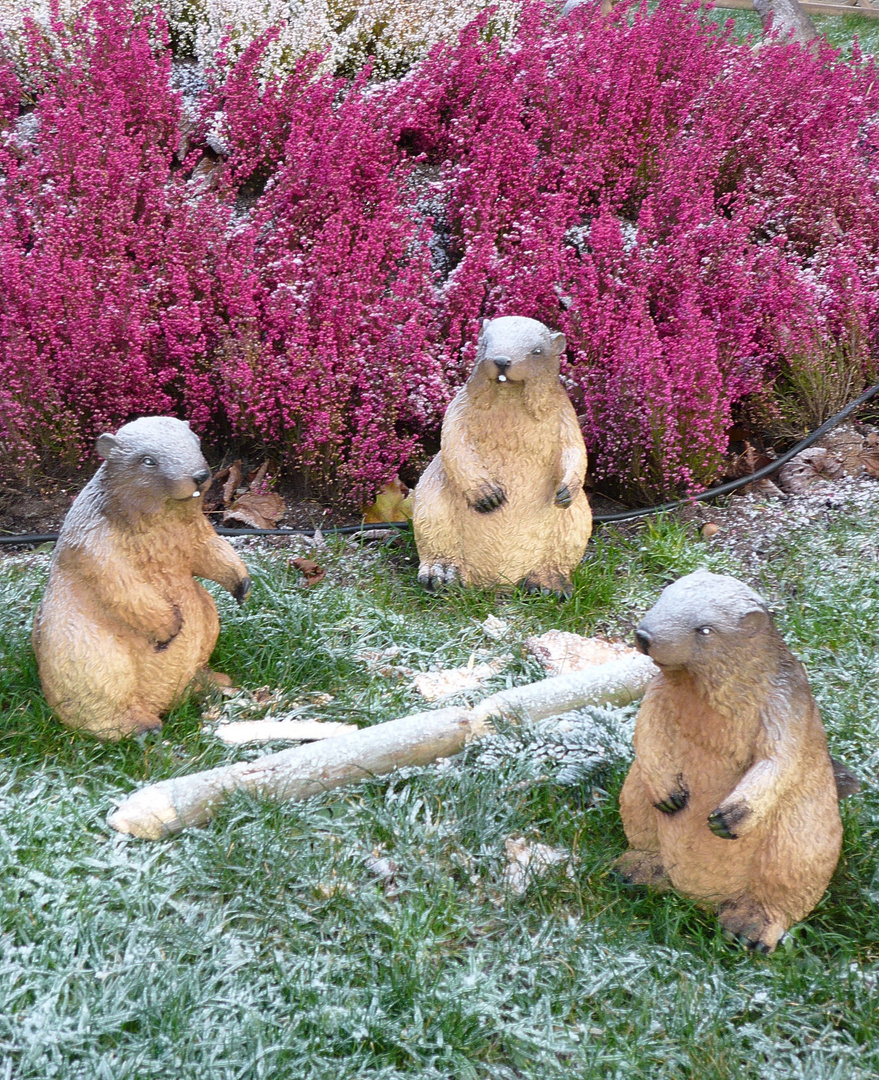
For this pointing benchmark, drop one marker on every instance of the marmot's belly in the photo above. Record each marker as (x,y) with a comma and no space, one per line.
(521,536)
(699,863)
(78,639)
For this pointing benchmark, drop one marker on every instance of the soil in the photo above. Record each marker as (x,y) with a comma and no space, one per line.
(40,510)
(749,525)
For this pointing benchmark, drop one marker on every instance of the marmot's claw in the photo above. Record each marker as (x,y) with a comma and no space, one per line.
(559,587)
(435,576)
(563,497)
(491,500)
(720,826)
(242,590)
(178,619)
(677,800)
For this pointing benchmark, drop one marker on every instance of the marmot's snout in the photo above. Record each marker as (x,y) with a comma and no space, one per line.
(643,641)
(503,364)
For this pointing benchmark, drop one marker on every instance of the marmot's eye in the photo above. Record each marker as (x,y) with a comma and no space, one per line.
(150,463)
(537,352)
(703,630)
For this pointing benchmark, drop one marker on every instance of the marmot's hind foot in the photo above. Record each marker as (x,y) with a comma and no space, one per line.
(133,721)
(641,868)
(551,585)
(206,681)
(748,924)
(437,575)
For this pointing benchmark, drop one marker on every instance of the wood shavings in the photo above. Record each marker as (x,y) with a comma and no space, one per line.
(561,652)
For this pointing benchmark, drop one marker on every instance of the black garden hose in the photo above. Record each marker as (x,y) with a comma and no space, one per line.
(31,539)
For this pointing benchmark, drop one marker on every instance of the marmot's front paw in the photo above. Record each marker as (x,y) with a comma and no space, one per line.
(242,590)
(489,498)
(175,625)
(435,576)
(564,497)
(723,821)
(675,801)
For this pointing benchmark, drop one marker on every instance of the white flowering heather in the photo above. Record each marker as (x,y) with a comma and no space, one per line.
(396,34)
(305,27)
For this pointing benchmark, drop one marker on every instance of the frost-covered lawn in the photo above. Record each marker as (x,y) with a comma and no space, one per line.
(372,932)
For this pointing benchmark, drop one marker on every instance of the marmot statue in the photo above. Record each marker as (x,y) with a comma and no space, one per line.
(502,503)
(731,798)
(123,628)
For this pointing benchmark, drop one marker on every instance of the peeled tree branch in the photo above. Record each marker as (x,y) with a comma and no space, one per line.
(170,806)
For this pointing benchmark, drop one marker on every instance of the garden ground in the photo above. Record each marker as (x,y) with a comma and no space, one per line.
(375,931)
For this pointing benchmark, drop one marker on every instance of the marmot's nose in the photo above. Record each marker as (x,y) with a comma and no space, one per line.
(643,640)
(501,362)
(201,477)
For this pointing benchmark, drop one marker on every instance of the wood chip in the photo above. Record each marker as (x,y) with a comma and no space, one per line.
(561,652)
(260,731)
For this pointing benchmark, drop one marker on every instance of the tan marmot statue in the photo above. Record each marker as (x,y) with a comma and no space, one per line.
(731,798)
(123,628)
(502,503)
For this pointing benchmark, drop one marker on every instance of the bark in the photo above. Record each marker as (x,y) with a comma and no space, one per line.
(785,19)
(171,806)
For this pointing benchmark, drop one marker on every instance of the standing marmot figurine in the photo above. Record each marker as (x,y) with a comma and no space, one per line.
(503,500)
(731,798)
(123,628)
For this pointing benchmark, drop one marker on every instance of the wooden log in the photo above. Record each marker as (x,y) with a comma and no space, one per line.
(811,8)
(170,806)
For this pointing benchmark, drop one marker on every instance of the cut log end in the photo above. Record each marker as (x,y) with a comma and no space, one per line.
(148,814)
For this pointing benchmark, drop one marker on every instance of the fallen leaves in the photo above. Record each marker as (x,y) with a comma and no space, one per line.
(434,685)
(529,861)
(256,511)
(244,500)
(311,570)
(393,503)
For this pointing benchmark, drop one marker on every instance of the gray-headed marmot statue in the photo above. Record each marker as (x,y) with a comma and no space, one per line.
(123,627)
(503,501)
(731,798)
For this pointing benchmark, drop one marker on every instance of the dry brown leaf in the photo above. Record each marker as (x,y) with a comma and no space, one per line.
(233,482)
(258,475)
(393,503)
(748,462)
(813,466)
(312,571)
(870,454)
(257,511)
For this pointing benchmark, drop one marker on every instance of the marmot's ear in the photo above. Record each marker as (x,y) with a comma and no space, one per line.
(106,444)
(754,622)
(559,343)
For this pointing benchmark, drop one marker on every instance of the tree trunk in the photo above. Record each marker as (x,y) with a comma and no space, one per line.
(785,20)
(168,807)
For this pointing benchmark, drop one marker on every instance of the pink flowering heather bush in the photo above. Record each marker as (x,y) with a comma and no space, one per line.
(330,360)
(697,216)
(686,209)
(107,279)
